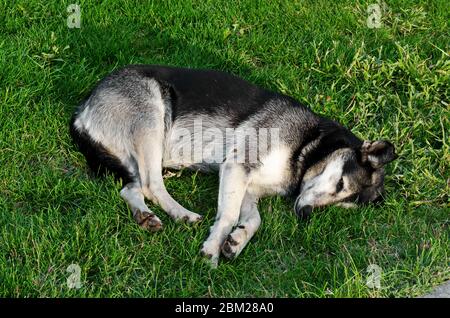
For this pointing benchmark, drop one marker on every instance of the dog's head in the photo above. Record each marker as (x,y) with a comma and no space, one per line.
(347,176)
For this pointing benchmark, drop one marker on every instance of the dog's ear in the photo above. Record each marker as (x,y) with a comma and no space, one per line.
(377,153)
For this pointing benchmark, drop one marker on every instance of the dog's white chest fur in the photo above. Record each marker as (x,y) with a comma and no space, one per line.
(270,176)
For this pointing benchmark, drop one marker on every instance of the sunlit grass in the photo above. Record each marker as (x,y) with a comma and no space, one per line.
(390,83)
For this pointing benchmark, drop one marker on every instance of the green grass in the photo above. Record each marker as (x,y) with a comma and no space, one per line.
(391,83)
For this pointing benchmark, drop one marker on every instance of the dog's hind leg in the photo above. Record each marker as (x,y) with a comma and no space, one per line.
(249,221)
(132,194)
(149,150)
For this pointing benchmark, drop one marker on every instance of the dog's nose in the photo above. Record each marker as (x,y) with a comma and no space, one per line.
(378,200)
(304,212)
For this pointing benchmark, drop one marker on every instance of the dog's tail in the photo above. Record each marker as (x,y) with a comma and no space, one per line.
(98,158)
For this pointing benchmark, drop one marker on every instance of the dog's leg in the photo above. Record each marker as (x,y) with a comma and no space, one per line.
(232,188)
(149,158)
(248,224)
(132,194)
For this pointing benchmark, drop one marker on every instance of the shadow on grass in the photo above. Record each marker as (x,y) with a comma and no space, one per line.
(95,52)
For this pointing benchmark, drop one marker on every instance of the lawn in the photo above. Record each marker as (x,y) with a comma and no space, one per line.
(390,82)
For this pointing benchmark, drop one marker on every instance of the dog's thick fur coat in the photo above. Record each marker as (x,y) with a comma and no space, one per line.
(140,118)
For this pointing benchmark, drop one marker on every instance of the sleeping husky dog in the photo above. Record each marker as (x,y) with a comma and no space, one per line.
(143,118)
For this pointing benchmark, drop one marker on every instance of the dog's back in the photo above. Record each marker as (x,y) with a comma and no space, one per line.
(205,91)
(136,121)
(160,98)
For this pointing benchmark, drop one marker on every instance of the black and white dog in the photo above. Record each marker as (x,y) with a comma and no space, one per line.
(143,118)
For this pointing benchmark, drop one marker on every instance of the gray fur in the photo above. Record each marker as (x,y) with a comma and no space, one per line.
(133,118)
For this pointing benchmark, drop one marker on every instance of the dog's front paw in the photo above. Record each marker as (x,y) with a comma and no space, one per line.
(235,242)
(148,221)
(210,254)
(230,247)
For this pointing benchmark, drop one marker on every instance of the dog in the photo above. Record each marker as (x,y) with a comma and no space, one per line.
(143,118)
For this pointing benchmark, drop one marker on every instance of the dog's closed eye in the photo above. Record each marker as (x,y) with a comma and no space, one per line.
(340,185)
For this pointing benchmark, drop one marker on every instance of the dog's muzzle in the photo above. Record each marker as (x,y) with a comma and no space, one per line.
(303,212)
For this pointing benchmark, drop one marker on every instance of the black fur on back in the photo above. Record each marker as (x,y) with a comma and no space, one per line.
(205,91)
(97,156)
(334,136)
